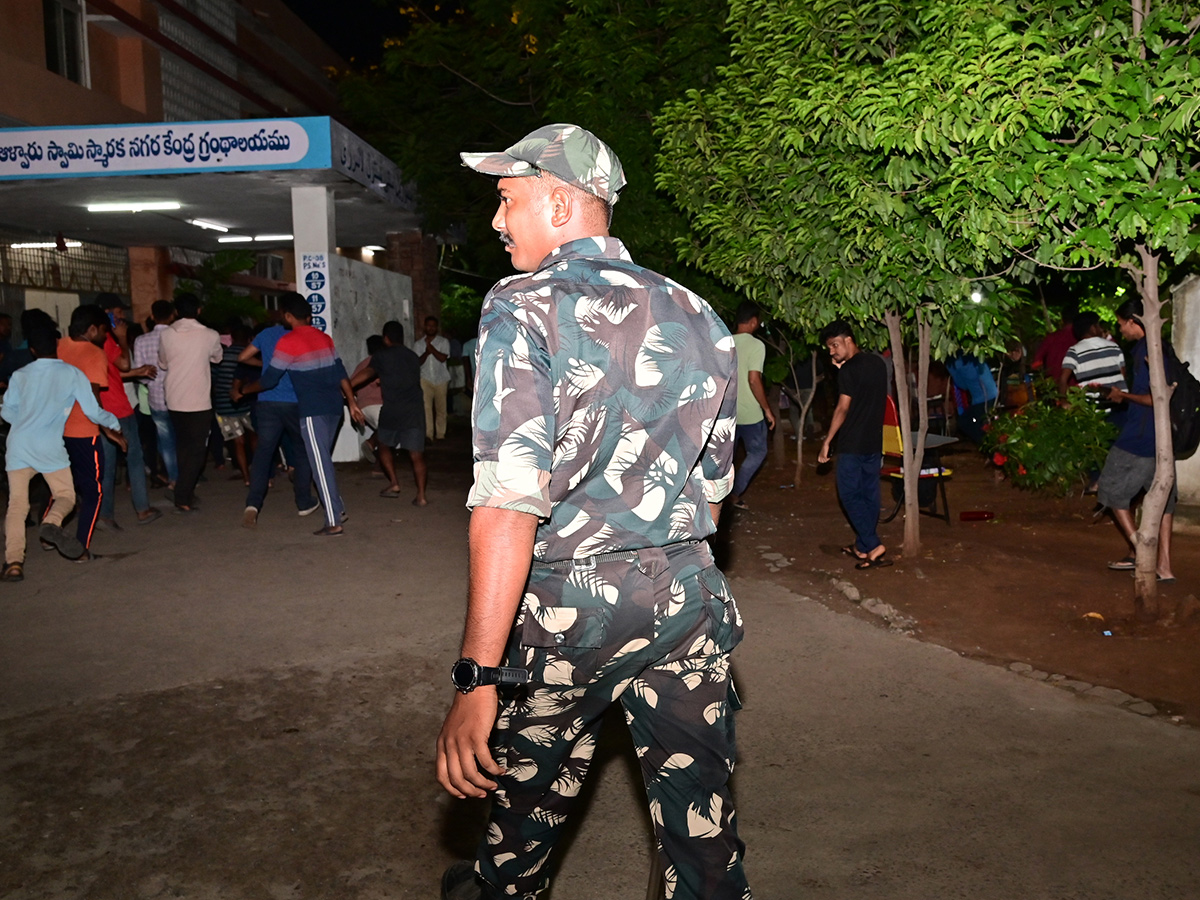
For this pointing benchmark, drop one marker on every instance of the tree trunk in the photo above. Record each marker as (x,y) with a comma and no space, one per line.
(911,460)
(1145,539)
(804,408)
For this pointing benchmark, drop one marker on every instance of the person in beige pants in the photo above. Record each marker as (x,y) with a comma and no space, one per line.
(39,398)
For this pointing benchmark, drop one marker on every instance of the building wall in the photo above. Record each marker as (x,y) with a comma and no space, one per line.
(416,255)
(363,298)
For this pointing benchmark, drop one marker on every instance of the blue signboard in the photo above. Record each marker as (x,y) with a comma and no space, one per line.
(162,148)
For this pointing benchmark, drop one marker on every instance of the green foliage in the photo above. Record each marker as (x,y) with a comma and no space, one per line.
(1051,447)
(460,310)
(794,202)
(856,156)
(211,284)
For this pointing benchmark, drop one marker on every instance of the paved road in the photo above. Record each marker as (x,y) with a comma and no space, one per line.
(211,712)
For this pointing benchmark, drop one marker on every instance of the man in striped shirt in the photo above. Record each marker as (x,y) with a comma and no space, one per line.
(309,358)
(1094,361)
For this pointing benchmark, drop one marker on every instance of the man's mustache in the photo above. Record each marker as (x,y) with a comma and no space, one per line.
(506,239)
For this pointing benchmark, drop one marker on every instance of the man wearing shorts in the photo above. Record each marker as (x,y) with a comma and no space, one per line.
(1129,468)
(401,424)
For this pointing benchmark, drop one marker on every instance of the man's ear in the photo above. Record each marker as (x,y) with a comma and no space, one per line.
(562,206)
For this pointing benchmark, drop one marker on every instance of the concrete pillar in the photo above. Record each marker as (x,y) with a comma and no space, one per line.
(1185,337)
(314,238)
(149,279)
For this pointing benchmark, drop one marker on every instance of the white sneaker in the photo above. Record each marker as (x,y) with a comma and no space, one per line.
(250,517)
(312,509)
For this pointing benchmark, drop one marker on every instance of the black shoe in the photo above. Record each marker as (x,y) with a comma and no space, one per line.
(459,882)
(65,542)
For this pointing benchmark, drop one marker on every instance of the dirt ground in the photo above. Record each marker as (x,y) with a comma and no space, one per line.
(1018,587)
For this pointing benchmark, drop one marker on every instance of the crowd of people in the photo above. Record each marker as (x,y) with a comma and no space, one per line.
(167,396)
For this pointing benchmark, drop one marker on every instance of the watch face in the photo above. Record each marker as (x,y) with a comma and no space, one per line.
(463,675)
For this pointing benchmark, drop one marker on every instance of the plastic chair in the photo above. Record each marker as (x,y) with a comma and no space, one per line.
(933,473)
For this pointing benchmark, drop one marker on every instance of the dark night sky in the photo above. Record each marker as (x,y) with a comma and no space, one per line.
(354,28)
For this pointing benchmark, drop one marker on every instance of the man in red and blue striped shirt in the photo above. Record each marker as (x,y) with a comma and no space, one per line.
(308,357)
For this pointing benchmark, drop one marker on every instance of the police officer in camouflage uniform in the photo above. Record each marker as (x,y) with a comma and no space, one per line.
(605,403)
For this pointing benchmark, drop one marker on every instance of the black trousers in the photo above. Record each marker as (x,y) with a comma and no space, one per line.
(191,440)
(87,470)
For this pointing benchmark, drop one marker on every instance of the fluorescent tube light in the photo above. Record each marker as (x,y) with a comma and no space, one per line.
(134,206)
(211,226)
(235,239)
(273,237)
(44,245)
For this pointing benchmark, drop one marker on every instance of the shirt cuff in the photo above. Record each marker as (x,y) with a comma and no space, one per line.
(524,490)
(718,490)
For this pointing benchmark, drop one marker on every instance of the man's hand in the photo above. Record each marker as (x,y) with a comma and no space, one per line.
(116,437)
(121,332)
(823,456)
(462,746)
(770,416)
(356,414)
(143,372)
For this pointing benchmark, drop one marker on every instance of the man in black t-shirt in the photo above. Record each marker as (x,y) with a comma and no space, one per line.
(402,416)
(858,426)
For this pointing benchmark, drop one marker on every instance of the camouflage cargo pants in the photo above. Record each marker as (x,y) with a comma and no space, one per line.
(655,633)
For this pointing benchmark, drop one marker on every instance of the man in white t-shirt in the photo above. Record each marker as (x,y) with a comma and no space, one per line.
(433,350)
(754,416)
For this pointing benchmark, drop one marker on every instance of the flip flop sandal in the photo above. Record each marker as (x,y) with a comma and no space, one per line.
(328,531)
(851,550)
(13,572)
(389,494)
(877,563)
(1123,565)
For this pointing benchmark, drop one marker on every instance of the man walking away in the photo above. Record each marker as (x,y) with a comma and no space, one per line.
(605,408)
(319,377)
(145,353)
(81,436)
(186,351)
(858,426)
(754,416)
(37,403)
(400,419)
(276,415)
(433,350)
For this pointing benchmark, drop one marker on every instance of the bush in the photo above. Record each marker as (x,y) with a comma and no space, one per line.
(1053,443)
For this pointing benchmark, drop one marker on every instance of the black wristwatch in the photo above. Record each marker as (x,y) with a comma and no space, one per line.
(466,675)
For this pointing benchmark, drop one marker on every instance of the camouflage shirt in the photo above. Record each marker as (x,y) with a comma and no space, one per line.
(605,400)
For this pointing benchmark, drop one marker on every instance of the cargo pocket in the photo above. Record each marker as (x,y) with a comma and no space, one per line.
(724,621)
(566,641)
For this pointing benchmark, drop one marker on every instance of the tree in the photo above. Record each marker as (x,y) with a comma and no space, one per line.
(795,205)
(1066,135)
(1003,136)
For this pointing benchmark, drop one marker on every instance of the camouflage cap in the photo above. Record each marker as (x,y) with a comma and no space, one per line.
(572,153)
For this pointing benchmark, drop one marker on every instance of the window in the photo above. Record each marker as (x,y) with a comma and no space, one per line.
(66,39)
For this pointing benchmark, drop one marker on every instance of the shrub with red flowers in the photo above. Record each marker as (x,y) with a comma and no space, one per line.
(1052,443)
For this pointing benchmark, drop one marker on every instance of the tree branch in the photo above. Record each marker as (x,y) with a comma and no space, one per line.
(484,90)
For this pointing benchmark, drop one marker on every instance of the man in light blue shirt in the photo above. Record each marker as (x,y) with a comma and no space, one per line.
(39,398)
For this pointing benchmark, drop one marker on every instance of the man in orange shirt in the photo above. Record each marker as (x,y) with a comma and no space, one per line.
(82,349)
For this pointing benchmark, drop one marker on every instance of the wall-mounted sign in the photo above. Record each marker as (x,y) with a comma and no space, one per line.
(314,274)
(164,148)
